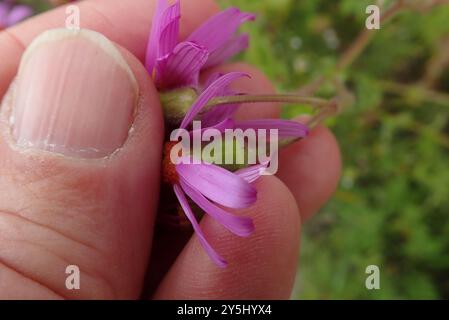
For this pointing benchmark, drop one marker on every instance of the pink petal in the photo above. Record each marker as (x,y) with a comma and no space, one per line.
(218,184)
(212,78)
(210,92)
(163,28)
(227,123)
(228,50)
(4,10)
(222,112)
(219,261)
(17,14)
(220,126)
(286,128)
(241,226)
(170,31)
(218,115)
(252,173)
(219,29)
(182,67)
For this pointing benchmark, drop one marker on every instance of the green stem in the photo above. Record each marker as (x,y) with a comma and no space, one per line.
(281,98)
(330,110)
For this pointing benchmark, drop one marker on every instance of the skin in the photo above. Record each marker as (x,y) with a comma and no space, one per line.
(110,230)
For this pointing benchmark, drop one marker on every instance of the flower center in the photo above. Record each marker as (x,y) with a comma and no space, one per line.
(169,174)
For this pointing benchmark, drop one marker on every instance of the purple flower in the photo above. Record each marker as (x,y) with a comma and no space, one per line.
(175,67)
(11,14)
(175,64)
(212,187)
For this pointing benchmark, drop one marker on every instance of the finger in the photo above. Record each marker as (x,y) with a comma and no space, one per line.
(258,83)
(168,242)
(262,266)
(124,22)
(311,170)
(81,133)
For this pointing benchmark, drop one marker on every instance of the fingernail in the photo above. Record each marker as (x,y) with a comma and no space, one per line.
(75,95)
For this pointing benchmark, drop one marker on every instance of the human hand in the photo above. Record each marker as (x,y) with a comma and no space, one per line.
(90,199)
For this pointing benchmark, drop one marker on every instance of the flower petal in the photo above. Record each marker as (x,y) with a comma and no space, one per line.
(286,128)
(211,79)
(219,29)
(210,92)
(223,112)
(220,126)
(4,10)
(218,115)
(252,173)
(241,226)
(162,37)
(182,66)
(218,184)
(231,48)
(219,261)
(17,14)
(170,29)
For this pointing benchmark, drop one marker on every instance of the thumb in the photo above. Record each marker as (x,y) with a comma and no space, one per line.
(80,137)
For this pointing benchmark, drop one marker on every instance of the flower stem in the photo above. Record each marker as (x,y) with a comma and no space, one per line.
(328,111)
(281,98)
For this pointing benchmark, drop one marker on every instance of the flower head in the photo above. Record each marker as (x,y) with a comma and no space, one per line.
(212,187)
(176,64)
(175,67)
(11,14)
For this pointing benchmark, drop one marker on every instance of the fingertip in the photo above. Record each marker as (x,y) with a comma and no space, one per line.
(311,168)
(94,212)
(262,266)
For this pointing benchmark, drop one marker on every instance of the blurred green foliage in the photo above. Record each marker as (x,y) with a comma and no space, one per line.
(392,205)
(38,5)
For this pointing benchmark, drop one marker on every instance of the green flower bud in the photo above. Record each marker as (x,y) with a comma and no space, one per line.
(176,103)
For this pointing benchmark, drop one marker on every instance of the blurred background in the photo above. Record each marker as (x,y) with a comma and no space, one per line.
(392,205)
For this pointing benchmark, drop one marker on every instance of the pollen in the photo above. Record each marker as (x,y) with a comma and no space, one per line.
(169,174)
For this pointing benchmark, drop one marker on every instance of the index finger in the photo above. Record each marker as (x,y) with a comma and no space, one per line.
(124,22)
